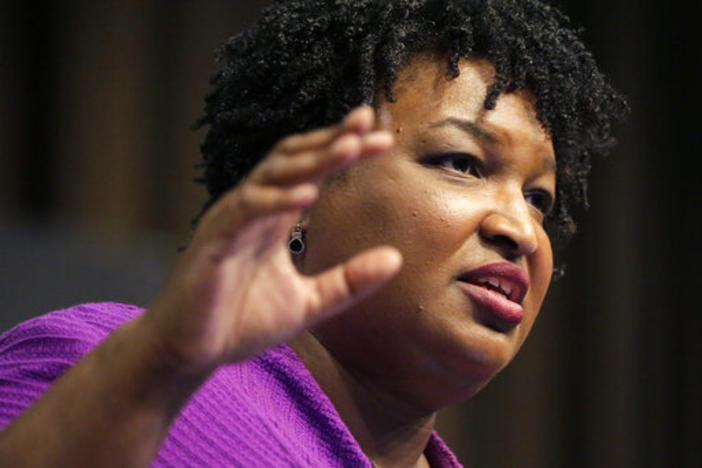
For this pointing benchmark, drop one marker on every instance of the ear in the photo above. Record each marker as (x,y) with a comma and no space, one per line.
(304,220)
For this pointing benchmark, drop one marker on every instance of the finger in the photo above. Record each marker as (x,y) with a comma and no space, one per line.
(310,165)
(259,200)
(376,143)
(344,285)
(307,141)
(313,166)
(359,121)
(251,201)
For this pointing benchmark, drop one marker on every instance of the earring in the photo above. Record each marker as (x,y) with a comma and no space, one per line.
(296,244)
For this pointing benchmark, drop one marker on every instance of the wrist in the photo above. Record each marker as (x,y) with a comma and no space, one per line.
(160,364)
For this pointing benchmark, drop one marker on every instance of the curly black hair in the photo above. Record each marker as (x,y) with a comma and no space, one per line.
(306,63)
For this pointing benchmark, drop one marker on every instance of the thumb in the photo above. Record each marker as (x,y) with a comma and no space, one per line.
(344,285)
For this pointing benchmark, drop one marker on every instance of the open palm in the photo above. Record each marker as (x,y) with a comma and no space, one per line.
(235,291)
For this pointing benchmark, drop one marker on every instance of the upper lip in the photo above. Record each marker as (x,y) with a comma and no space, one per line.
(510,279)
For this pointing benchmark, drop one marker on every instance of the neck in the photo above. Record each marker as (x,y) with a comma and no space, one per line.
(389,431)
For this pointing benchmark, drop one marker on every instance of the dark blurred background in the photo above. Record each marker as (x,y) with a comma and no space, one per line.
(96,163)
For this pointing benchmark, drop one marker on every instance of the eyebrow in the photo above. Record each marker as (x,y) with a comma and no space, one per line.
(470,127)
(487,136)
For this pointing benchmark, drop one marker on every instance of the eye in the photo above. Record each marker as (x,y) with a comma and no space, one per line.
(458,162)
(541,200)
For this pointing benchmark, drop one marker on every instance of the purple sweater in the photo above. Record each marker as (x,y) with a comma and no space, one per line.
(268,411)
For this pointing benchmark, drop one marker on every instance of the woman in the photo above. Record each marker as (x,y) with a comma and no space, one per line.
(346,282)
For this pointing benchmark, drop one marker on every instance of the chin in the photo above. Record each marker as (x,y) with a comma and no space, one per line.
(459,373)
(455,391)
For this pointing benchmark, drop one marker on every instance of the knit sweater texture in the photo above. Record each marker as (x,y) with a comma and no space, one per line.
(265,412)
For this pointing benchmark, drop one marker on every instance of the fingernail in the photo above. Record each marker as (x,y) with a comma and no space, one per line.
(360,119)
(305,192)
(347,146)
(378,141)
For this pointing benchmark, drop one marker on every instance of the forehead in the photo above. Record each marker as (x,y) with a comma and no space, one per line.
(425,95)
(424,81)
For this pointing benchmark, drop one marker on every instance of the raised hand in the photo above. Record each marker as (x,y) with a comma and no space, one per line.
(235,291)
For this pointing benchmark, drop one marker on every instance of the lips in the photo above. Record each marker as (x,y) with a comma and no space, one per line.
(499,289)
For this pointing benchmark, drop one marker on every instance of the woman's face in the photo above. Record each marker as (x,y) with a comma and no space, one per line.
(462,188)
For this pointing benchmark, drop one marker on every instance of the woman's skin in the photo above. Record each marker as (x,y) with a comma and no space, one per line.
(421,343)
(233,293)
(392,358)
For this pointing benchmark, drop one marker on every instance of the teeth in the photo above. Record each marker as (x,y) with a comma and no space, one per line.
(503,287)
(495,283)
(507,288)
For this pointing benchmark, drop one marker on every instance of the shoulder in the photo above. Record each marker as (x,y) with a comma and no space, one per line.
(35,353)
(80,326)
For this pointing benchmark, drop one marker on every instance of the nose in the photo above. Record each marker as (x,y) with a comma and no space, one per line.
(511,229)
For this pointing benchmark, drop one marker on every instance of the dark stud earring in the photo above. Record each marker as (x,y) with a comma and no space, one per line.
(296,244)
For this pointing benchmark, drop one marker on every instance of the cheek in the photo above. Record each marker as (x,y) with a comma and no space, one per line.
(541,264)
(392,204)
(426,223)
(540,269)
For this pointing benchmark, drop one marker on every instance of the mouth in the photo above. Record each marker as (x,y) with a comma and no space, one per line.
(499,290)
